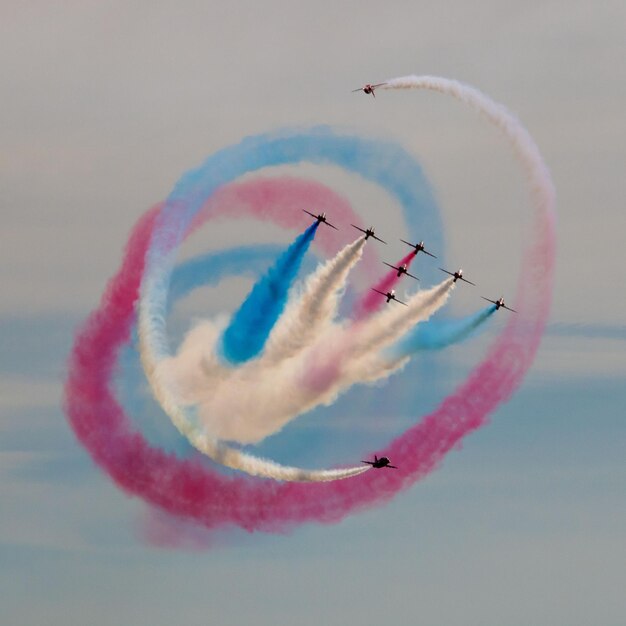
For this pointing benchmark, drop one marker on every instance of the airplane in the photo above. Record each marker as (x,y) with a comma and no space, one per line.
(390,295)
(321,219)
(402,269)
(369,233)
(458,275)
(499,303)
(419,247)
(378,463)
(368,88)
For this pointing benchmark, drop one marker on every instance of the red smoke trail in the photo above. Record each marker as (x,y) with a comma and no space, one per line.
(187,488)
(372,301)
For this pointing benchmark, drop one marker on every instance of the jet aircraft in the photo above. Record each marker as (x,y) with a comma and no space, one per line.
(499,303)
(402,269)
(321,219)
(458,275)
(369,233)
(378,463)
(419,247)
(390,295)
(369,88)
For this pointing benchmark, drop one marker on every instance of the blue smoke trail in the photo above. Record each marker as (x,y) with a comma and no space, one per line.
(438,334)
(250,326)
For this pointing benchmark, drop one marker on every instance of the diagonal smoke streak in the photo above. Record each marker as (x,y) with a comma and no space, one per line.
(372,301)
(250,326)
(309,312)
(395,320)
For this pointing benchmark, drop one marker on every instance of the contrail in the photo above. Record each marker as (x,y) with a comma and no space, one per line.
(250,326)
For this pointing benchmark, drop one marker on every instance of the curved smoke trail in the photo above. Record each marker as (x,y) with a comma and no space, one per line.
(175,218)
(186,488)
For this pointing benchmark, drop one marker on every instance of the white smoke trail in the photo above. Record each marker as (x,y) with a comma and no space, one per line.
(152,344)
(276,392)
(524,147)
(307,314)
(395,320)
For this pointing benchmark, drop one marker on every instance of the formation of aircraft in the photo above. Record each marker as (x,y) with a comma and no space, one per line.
(382,462)
(390,295)
(418,247)
(321,219)
(402,269)
(369,88)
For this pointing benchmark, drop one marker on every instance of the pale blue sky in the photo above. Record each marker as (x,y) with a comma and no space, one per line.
(106,105)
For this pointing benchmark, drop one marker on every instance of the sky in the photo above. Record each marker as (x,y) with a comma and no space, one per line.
(106,105)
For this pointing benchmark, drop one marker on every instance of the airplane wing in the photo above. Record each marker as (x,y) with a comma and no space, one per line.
(361,229)
(331,225)
(359,89)
(382,293)
(488,300)
(467,281)
(368,462)
(408,243)
(399,301)
(411,275)
(391,466)
(373,93)
(446,271)
(389,265)
(378,239)
(309,212)
(378,85)
(429,254)
(504,306)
